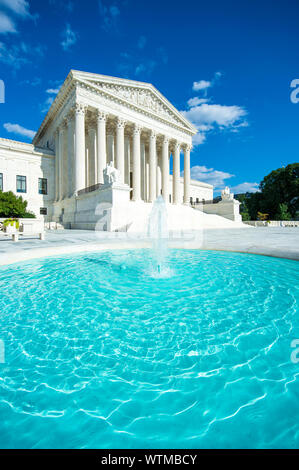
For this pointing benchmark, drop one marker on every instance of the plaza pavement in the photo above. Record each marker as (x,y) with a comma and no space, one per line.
(281,242)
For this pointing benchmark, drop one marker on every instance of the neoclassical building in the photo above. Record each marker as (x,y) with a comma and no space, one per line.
(98,121)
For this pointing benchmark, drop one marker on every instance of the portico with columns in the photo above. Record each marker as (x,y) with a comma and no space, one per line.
(97,120)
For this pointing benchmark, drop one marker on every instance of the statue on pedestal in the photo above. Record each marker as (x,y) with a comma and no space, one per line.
(226,195)
(111,174)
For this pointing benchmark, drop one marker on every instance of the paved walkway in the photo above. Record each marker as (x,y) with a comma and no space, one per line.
(280,242)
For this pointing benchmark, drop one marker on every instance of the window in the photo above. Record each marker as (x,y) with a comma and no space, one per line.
(197,200)
(191,200)
(1,181)
(42,186)
(43,211)
(21,184)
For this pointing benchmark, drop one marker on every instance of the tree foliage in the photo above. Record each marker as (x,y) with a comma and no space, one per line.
(13,206)
(278,196)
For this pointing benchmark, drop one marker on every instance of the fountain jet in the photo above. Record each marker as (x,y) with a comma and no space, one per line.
(158,233)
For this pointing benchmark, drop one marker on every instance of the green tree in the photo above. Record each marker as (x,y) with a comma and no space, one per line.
(283,213)
(242,198)
(13,206)
(281,186)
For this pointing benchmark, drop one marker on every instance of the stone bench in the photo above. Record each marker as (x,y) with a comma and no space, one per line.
(15,236)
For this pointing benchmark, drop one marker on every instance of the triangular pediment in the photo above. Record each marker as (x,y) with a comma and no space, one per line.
(143,96)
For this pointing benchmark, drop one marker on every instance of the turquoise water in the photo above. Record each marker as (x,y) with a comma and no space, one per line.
(99,353)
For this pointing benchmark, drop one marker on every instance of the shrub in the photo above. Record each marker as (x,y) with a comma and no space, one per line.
(11,222)
(12,206)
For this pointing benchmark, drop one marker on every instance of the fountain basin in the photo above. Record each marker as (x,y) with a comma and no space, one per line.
(95,342)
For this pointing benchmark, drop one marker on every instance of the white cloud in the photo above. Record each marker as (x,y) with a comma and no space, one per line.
(207,116)
(145,68)
(69,37)
(201,85)
(20,7)
(209,175)
(18,55)
(199,139)
(19,130)
(13,56)
(34,82)
(109,14)
(197,101)
(47,104)
(245,188)
(223,116)
(52,91)
(7,25)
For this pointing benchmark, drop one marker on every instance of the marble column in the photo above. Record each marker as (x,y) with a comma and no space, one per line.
(146,174)
(158,173)
(70,154)
(62,132)
(110,147)
(120,148)
(142,171)
(176,174)
(152,165)
(92,157)
(187,178)
(127,159)
(136,163)
(165,169)
(57,165)
(101,146)
(80,147)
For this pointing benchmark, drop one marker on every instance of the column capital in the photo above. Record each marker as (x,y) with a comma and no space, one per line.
(80,108)
(165,139)
(153,134)
(177,145)
(120,123)
(188,147)
(101,116)
(137,129)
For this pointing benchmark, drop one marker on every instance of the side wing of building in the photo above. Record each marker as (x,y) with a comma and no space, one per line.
(28,171)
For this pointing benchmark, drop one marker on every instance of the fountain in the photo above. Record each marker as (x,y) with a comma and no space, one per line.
(158,233)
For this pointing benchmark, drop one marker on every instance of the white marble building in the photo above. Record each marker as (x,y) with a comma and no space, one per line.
(94,121)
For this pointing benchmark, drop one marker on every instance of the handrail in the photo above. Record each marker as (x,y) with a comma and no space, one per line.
(90,189)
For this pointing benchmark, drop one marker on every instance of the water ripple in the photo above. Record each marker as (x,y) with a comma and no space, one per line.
(198,358)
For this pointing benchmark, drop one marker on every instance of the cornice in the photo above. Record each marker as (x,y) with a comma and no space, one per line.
(17,146)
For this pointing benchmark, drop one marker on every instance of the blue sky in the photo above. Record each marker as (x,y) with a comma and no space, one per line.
(226,64)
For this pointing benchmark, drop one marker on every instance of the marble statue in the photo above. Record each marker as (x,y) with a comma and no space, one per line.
(226,194)
(111,174)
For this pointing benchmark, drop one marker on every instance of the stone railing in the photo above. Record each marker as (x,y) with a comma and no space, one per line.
(272,223)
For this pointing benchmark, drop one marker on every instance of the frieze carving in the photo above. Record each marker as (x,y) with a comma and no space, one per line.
(88,94)
(139,97)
